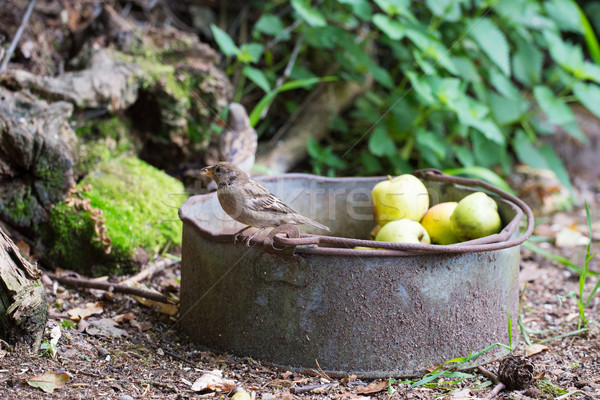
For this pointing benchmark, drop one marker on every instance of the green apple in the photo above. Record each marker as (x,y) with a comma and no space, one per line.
(403,231)
(475,216)
(401,197)
(437,223)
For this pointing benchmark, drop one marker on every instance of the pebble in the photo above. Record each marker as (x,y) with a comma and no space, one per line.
(124,397)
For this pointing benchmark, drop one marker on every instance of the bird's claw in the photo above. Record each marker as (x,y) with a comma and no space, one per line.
(240,237)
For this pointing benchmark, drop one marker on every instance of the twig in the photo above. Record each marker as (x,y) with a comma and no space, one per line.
(564,396)
(497,389)
(150,271)
(322,373)
(114,287)
(287,71)
(489,374)
(15,41)
(308,388)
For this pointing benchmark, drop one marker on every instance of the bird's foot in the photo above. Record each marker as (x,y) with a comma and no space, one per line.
(246,239)
(240,237)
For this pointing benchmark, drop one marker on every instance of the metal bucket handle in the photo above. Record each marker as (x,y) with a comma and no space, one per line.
(286,236)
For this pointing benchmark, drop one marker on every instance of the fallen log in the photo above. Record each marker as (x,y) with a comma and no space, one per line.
(23,307)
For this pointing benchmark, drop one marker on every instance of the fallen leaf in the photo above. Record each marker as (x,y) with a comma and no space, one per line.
(280,383)
(49,381)
(568,237)
(79,313)
(213,381)
(124,317)
(462,394)
(535,349)
(54,336)
(105,327)
(373,387)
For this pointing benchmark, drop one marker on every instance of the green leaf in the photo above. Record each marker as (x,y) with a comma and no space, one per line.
(393,7)
(380,143)
(303,83)
(481,173)
(257,76)
(527,153)
(506,111)
(431,47)
(492,42)
(429,141)
(449,10)
(391,27)
(557,166)
(589,96)
(370,163)
(311,15)
(568,56)
(466,69)
(527,63)
(360,8)
(558,112)
(224,41)
(464,156)
(250,53)
(565,13)
(381,75)
(422,87)
(590,35)
(271,25)
(269,97)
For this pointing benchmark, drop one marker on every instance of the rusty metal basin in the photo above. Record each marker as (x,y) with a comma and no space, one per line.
(297,299)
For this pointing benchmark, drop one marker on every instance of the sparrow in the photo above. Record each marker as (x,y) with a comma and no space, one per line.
(237,143)
(247,201)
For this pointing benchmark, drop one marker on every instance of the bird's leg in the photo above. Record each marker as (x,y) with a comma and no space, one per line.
(251,236)
(237,235)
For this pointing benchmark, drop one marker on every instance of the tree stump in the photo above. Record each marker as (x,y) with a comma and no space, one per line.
(23,307)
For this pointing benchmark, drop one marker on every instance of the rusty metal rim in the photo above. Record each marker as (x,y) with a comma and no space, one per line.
(288,237)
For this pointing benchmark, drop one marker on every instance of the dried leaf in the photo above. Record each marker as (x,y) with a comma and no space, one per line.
(213,382)
(535,349)
(124,317)
(373,387)
(54,337)
(280,383)
(49,381)
(82,313)
(105,327)
(568,237)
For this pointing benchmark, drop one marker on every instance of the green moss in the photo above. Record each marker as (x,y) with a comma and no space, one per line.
(101,140)
(139,204)
(21,207)
(69,238)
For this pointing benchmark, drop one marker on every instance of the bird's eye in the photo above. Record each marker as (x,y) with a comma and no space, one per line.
(218,170)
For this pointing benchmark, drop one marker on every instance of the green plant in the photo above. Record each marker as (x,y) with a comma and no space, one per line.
(582,301)
(67,324)
(458,84)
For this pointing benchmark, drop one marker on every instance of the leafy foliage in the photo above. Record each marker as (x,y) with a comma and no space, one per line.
(459,83)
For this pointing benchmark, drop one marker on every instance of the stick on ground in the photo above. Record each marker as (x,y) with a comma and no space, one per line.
(114,287)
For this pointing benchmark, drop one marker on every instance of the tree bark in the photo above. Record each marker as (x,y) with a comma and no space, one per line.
(23,307)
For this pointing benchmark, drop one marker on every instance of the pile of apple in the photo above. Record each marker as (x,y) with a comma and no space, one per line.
(401,209)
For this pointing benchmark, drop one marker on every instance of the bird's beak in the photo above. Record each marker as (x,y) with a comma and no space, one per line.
(208,171)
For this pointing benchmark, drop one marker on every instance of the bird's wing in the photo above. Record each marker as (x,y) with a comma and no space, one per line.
(260,199)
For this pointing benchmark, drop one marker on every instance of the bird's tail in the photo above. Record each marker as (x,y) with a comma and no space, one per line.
(316,224)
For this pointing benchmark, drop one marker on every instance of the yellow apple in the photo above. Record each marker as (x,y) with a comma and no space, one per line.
(437,223)
(403,231)
(475,216)
(402,197)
